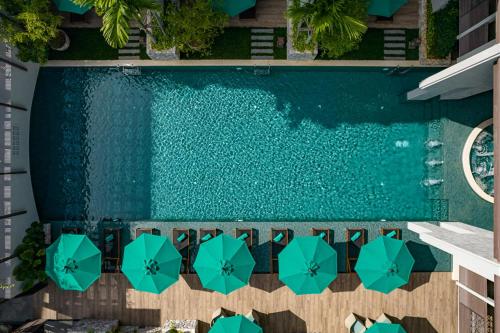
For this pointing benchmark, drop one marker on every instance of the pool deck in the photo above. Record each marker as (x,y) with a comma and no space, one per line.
(427,305)
(236,63)
(427,258)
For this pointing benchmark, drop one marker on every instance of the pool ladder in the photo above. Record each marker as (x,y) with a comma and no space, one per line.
(131,70)
(262,70)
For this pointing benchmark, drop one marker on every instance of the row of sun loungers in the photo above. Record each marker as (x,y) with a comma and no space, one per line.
(182,240)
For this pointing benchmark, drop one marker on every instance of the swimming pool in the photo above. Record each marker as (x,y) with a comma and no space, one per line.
(227,144)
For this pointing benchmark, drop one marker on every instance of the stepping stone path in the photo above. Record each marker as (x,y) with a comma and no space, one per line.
(394,44)
(262,43)
(132,50)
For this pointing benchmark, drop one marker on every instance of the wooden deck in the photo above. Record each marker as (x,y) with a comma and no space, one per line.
(269,14)
(406,18)
(427,304)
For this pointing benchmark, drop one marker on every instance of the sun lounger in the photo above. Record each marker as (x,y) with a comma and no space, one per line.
(355,238)
(245,235)
(207,234)
(219,313)
(391,232)
(383,319)
(354,324)
(325,234)
(182,242)
(111,250)
(71,230)
(151,231)
(279,239)
(254,316)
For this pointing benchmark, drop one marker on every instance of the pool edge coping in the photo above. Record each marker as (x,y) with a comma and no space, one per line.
(466,160)
(232,63)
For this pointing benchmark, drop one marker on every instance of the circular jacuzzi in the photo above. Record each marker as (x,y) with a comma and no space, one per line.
(478,160)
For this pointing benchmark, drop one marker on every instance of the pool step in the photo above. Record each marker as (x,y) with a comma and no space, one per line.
(262,43)
(394,44)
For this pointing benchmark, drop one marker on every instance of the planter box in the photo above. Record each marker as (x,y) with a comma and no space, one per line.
(291,52)
(170,54)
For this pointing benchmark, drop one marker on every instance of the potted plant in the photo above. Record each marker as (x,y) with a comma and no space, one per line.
(60,42)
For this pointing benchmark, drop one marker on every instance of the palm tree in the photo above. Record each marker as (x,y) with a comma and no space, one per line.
(329,18)
(117,15)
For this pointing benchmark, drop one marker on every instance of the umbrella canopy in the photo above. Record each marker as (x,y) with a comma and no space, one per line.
(307,265)
(71,7)
(235,324)
(384,264)
(233,7)
(386,328)
(151,263)
(73,262)
(224,264)
(385,8)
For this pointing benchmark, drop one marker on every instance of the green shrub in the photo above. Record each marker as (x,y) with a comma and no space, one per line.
(191,27)
(31,253)
(442,29)
(337,26)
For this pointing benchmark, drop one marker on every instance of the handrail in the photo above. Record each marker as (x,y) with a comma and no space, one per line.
(18,172)
(478,25)
(20,108)
(21,212)
(13,64)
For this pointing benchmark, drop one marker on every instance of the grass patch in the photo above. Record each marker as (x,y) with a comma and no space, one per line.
(412,54)
(234,43)
(279,52)
(86,44)
(371,47)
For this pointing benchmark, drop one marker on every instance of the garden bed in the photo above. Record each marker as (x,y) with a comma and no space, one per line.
(234,43)
(85,44)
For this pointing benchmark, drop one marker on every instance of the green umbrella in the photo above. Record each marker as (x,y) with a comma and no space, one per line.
(386,328)
(151,263)
(224,264)
(233,7)
(384,264)
(235,324)
(307,265)
(73,262)
(385,8)
(71,7)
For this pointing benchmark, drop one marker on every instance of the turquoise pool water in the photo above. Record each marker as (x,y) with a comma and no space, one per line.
(226,144)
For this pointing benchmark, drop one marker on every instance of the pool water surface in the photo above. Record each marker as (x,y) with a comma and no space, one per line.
(226,144)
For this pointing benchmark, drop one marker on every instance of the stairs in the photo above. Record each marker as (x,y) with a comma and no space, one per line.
(132,50)
(262,43)
(394,44)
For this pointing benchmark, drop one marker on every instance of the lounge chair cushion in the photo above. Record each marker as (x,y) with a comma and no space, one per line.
(278,237)
(392,234)
(206,237)
(356,235)
(243,236)
(181,237)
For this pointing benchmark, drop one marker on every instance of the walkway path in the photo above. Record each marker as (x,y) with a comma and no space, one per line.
(262,43)
(394,44)
(132,50)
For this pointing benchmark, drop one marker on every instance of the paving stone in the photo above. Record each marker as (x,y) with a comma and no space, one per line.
(262,31)
(262,51)
(132,45)
(262,44)
(395,45)
(128,51)
(394,32)
(255,37)
(394,58)
(262,57)
(394,38)
(394,52)
(133,38)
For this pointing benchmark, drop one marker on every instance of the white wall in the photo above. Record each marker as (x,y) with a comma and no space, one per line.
(16,88)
